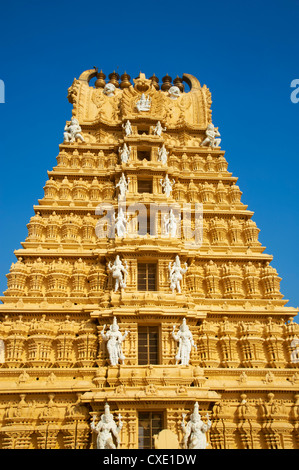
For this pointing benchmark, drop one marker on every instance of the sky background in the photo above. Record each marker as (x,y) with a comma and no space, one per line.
(245,52)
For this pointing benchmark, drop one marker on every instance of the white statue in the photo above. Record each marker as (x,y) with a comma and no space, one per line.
(144,103)
(162,155)
(114,339)
(159,129)
(119,273)
(125,153)
(127,128)
(109,89)
(174,92)
(195,430)
(72,131)
(170,224)
(175,274)
(107,430)
(185,339)
(211,133)
(123,185)
(167,185)
(120,223)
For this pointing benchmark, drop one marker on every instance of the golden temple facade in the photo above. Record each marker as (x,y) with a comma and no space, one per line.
(141,147)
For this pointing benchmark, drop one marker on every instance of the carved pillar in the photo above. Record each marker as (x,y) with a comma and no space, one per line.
(41,335)
(206,346)
(16,279)
(228,344)
(212,279)
(87,344)
(291,342)
(273,342)
(64,340)
(36,228)
(15,343)
(76,430)
(251,345)
(232,280)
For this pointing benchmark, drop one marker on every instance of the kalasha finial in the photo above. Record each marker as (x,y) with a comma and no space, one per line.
(166,83)
(100,82)
(155,81)
(179,83)
(125,81)
(113,78)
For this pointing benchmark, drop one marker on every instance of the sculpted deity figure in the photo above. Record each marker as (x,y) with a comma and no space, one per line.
(109,89)
(125,153)
(114,339)
(123,185)
(170,224)
(185,339)
(211,133)
(162,155)
(127,128)
(175,274)
(120,223)
(195,430)
(119,273)
(167,185)
(159,129)
(144,103)
(174,92)
(72,131)
(107,430)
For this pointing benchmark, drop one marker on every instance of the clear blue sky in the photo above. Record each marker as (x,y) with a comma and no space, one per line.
(245,52)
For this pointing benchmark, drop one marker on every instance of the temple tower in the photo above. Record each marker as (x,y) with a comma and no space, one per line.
(142,289)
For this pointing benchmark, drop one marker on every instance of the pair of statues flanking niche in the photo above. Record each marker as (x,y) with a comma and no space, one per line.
(114,339)
(157,130)
(195,430)
(119,270)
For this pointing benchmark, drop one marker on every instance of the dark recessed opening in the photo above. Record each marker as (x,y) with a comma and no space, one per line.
(144,155)
(145,186)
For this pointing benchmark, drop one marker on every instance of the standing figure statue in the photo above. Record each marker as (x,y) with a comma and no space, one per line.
(72,131)
(120,223)
(127,128)
(170,224)
(123,185)
(185,339)
(159,129)
(114,339)
(107,430)
(175,274)
(211,133)
(195,430)
(167,185)
(162,155)
(125,153)
(119,273)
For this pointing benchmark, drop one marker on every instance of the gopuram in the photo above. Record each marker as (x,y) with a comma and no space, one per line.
(142,310)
